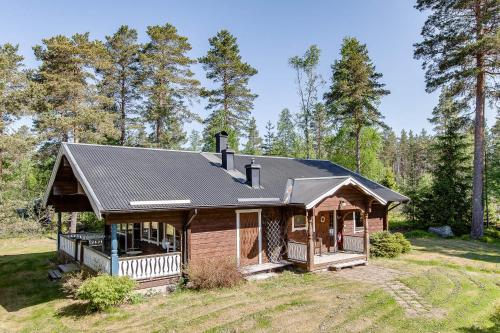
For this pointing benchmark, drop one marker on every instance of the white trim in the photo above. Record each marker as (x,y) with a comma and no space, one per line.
(148,240)
(159,202)
(348,181)
(257,199)
(259,214)
(300,228)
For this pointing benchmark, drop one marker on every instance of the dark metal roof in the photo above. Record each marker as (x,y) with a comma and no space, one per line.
(306,191)
(118,176)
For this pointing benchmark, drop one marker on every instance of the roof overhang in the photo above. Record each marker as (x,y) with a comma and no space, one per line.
(64,151)
(347,181)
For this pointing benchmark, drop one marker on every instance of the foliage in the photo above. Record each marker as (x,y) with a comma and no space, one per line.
(232,101)
(355,92)
(213,273)
(168,85)
(254,142)
(269,140)
(286,141)
(387,245)
(420,234)
(105,291)
(71,282)
(90,222)
(308,81)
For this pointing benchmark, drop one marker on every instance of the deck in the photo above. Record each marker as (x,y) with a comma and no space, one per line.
(331,258)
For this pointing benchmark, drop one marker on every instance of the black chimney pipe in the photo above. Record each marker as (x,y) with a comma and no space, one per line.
(220,141)
(253,174)
(228,159)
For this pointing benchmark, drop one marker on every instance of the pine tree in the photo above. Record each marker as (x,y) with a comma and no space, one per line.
(286,138)
(460,52)
(321,129)
(355,91)
(451,188)
(492,171)
(13,97)
(231,102)
(169,85)
(121,75)
(389,152)
(195,141)
(308,81)
(254,141)
(269,139)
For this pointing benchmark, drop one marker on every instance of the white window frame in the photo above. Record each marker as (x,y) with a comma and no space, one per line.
(357,229)
(259,214)
(148,240)
(299,228)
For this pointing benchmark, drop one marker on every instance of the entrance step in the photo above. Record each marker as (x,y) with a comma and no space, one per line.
(66,268)
(338,267)
(54,274)
(260,276)
(264,268)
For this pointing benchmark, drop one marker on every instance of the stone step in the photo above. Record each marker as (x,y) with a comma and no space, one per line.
(353,263)
(66,268)
(54,274)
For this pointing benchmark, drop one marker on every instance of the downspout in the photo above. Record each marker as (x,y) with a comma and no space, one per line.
(185,257)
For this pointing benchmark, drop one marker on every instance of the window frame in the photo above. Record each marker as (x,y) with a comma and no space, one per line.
(149,239)
(294,228)
(356,228)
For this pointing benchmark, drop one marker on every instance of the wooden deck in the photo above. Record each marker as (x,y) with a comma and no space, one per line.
(334,258)
(266,267)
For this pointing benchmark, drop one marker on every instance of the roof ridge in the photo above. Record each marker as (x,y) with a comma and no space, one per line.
(130,147)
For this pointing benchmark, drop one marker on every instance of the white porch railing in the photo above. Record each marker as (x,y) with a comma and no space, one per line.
(67,245)
(297,251)
(354,244)
(96,260)
(152,266)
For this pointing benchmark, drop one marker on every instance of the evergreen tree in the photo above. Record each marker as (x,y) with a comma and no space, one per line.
(254,141)
(451,188)
(269,139)
(460,52)
(321,129)
(231,102)
(389,152)
(195,141)
(169,85)
(286,138)
(121,75)
(492,172)
(355,91)
(308,81)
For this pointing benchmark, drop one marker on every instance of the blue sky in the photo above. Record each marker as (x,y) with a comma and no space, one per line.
(268,32)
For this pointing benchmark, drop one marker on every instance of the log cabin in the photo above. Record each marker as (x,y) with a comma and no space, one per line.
(163,209)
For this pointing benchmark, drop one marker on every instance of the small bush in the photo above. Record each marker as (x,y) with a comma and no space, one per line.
(105,291)
(213,273)
(70,282)
(387,245)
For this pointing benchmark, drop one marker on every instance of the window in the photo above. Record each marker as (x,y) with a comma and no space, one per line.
(358,221)
(150,232)
(298,222)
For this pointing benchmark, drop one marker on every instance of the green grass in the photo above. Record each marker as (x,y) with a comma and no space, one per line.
(458,277)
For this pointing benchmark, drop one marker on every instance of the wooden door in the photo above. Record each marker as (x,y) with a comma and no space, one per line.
(249,238)
(322,225)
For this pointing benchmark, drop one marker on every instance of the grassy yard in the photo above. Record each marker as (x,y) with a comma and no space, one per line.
(460,279)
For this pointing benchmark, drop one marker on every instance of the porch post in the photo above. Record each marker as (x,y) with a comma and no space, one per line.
(59,224)
(114,250)
(366,235)
(310,244)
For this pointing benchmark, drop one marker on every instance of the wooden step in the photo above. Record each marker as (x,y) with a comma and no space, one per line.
(353,263)
(54,274)
(66,268)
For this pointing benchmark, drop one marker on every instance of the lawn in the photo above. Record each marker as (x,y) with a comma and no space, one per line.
(459,279)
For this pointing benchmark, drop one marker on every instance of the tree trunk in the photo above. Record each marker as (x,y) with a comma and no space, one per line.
(122,114)
(358,154)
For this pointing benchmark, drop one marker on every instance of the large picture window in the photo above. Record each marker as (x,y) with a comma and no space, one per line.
(299,222)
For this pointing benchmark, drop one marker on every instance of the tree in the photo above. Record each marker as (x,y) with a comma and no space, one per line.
(121,79)
(169,84)
(70,106)
(254,141)
(492,169)
(13,84)
(231,102)
(451,187)
(286,138)
(308,82)
(389,152)
(269,139)
(355,92)
(195,141)
(320,128)
(460,52)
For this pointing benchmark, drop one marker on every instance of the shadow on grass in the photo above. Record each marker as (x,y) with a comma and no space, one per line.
(442,246)
(24,281)
(74,310)
(495,318)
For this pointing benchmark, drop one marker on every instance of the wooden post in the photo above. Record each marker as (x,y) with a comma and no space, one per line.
(59,226)
(310,244)
(366,235)
(114,250)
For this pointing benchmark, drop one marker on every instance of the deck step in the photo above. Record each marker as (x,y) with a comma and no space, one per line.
(66,268)
(264,268)
(353,263)
(260,276)
(54,274)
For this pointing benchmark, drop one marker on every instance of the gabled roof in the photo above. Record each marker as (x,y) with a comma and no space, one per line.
(118,179)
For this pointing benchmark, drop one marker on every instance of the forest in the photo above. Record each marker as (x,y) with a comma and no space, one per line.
(119,91)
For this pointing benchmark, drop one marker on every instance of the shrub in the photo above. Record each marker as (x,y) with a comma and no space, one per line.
(105,291)
(385,244)
(213,273)
(70,282)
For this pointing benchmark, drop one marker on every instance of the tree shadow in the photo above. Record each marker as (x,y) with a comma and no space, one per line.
(24,281)
(74,310)
(466,253)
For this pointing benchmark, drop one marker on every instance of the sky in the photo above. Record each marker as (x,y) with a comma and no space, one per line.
(268,33)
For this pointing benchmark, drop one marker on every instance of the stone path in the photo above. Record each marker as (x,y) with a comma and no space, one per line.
(413,304)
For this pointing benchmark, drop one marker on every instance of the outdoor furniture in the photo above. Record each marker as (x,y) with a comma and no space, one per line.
(318,244)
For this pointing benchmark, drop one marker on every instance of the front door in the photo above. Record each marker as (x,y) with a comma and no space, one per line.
(249,237)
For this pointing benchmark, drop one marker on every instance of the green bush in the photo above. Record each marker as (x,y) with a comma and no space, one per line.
(387,245)
(105,291)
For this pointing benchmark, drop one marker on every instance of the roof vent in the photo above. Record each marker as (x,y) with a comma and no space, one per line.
(228,159)
(220,141)
(253,174)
